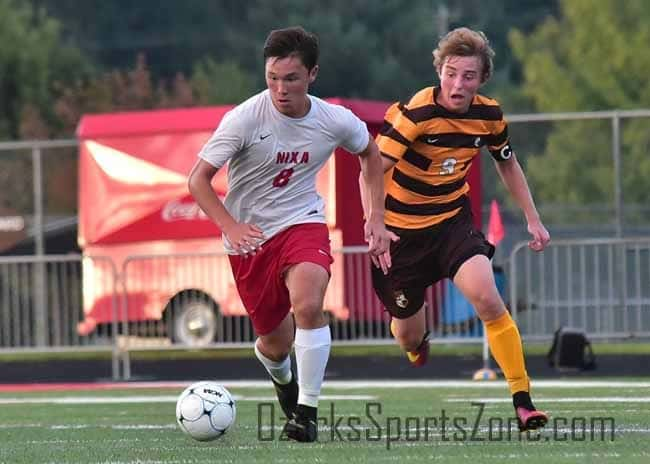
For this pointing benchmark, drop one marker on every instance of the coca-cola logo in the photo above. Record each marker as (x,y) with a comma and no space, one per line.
(12,223)
(177,210)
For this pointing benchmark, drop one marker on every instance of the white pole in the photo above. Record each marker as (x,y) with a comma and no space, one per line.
(486,350)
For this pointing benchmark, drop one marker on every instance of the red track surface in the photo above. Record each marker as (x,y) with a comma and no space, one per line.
(39,387)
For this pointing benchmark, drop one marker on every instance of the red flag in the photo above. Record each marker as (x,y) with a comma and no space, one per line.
(496,231)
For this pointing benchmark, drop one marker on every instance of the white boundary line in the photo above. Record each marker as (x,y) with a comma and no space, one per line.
(173,398)
(352,384)
(331,384)
(157,399)
(542,399)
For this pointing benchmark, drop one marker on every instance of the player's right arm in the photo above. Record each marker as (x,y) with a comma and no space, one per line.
(230,139)
(244,238)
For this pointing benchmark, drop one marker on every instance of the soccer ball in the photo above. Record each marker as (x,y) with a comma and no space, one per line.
(205,411)
(485,374)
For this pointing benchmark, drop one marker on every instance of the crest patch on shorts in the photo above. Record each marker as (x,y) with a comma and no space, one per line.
(400,299)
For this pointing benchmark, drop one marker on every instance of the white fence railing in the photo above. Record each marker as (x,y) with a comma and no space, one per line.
(69,302)
(600,286)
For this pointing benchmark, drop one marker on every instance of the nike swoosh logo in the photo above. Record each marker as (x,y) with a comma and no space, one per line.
(262,137)
(432,141)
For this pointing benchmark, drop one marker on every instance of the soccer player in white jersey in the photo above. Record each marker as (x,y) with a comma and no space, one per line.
(273,219)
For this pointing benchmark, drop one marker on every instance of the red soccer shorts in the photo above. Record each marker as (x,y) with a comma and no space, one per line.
(260,278)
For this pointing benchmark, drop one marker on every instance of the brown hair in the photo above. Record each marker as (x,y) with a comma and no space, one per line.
(282,43)
(465,42)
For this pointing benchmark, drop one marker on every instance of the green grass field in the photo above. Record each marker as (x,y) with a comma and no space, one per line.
(372,425)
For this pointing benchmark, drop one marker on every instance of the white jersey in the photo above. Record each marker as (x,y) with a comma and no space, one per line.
(273,159)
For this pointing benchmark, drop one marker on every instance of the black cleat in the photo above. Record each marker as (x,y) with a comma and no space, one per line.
(301,429)
(287,395)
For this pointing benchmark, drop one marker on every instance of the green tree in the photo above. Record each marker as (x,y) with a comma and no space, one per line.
(221,83)
(34,62)
(120,90)
(380,50)
(33,59)
(136,89)
(590,58)
(173,34)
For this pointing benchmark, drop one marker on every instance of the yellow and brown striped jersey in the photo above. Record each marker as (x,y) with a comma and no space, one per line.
(433,149)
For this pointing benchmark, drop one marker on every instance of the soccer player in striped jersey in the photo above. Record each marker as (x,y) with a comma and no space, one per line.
(427,147)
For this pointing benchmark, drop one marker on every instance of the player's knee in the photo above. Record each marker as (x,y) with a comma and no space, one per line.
(488,304)
(408,339)
(308,312)
(276,349)
(280,352)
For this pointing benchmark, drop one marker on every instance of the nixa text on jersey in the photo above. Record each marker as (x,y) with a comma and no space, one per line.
(292,157)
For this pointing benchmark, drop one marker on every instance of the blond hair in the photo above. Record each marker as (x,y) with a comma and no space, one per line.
(465,42)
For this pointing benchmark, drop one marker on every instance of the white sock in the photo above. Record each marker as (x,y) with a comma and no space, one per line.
(312,348)
(279,370)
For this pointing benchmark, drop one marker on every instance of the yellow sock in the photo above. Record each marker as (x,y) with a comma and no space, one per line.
(505,344)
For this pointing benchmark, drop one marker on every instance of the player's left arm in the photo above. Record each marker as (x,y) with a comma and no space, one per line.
(514,179)
(372,198)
